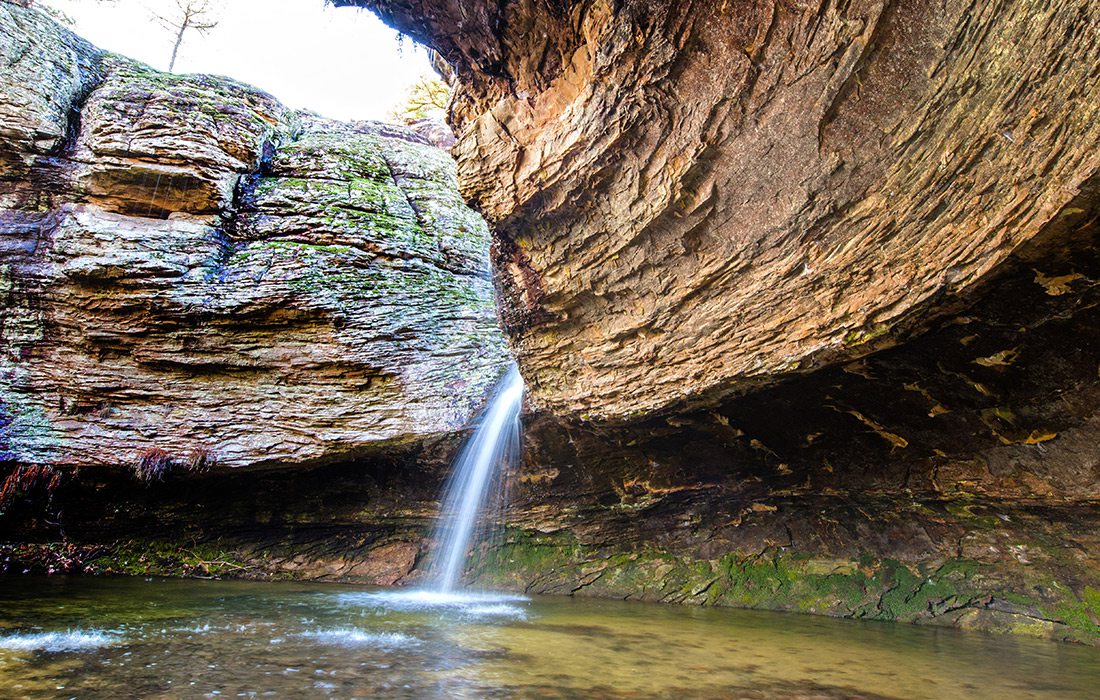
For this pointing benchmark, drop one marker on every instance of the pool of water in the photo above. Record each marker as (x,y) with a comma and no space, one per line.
(154,638)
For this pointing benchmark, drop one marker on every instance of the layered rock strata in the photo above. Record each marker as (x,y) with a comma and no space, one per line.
(693,199)
(951,481)
(192,274)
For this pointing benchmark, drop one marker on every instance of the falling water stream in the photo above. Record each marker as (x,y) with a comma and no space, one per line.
(94,638)
(493,444)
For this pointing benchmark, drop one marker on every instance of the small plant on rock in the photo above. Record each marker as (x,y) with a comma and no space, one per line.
(152,465)
(200,460)
(24,479)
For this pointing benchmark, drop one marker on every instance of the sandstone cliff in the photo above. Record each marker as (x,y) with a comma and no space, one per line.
(693,199)
(190,273)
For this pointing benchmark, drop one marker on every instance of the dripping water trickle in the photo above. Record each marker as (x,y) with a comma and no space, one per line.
(492,446)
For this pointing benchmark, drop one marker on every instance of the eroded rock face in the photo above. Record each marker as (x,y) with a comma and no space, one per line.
(191,274)
(697,198)
(338,306)
(152,144)
(46,72)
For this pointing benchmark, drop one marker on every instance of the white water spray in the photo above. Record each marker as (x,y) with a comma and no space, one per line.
(493,443)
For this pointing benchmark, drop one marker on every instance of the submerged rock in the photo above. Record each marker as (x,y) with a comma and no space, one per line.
(696,199)
(199,276)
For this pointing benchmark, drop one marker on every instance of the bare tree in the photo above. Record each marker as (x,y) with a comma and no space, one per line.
(187,15)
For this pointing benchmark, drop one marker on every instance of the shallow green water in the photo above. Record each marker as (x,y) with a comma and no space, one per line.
(134,638)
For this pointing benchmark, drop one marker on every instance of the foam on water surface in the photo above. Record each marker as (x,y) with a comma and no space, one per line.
(468,604)
(425,600)
(498,610)
(70,640)
(290,640)
(354,637)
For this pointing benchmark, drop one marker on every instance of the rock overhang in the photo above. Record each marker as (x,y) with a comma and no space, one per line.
(691,201)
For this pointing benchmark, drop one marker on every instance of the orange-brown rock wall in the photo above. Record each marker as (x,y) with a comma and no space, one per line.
(693,199)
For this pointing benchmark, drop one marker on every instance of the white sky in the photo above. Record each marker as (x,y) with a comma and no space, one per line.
(343,63)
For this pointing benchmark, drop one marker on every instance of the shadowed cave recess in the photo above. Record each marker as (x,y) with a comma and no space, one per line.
(804,295)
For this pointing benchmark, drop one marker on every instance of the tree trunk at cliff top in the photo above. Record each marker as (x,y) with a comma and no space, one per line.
(694,198)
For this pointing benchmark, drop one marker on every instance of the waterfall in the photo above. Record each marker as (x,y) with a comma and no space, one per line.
(493,444)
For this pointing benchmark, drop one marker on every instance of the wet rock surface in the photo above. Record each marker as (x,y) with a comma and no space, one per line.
(694,199)
(47,72)
(152,144)
(192,275)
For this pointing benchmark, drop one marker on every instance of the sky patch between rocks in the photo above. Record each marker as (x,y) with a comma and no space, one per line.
(342,63)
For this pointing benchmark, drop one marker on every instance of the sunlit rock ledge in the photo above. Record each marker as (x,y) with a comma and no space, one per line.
(192,275)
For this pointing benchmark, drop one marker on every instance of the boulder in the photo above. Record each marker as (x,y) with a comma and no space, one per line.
(152,144)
